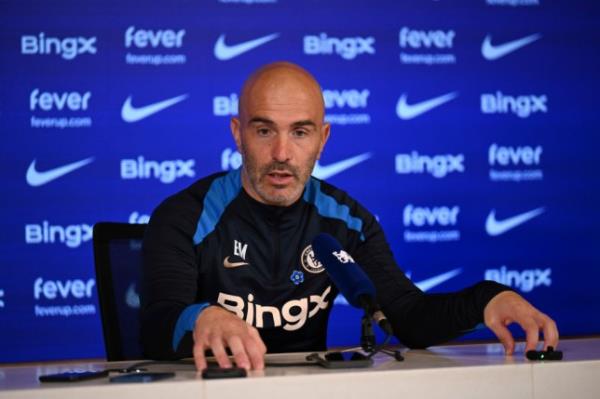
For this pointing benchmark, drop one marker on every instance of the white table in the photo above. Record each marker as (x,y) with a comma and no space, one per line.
(459,371)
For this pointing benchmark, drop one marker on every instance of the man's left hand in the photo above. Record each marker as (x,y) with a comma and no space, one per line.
(509,307)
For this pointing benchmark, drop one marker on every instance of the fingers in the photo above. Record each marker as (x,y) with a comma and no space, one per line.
(239,352)
(507,307)
(218,350)
(199,358)
(256,350)
(550,332)
(504,336)
(532,333)
(218,329)
(532,326)
(261,345)
(249,353)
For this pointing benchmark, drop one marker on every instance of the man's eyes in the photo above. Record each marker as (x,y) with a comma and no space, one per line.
(263,131)
(300,133)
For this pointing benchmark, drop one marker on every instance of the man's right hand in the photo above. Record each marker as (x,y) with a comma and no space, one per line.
(217,329)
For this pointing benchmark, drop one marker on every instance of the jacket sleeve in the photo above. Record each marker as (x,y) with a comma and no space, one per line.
(169,281)
(418,319)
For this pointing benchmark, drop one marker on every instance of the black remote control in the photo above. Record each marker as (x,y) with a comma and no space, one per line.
(549,354)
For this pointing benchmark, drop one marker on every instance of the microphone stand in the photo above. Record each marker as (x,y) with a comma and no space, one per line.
(367,337)
(368,341)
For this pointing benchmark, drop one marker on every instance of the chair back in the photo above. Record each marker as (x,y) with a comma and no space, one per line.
(118,263)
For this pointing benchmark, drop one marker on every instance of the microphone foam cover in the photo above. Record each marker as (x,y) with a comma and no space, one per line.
(348,277)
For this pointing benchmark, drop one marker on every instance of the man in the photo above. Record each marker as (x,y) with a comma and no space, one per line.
(228,261)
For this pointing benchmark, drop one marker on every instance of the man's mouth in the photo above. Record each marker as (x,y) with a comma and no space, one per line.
(280,177)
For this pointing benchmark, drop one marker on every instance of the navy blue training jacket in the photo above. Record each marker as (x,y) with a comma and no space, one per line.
(213,243)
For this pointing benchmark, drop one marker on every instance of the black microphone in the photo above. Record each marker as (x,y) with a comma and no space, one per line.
(349,278)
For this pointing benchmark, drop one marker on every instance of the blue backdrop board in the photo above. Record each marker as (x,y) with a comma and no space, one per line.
(470,128)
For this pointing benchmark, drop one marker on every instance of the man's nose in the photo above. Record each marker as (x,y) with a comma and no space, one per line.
(281,151)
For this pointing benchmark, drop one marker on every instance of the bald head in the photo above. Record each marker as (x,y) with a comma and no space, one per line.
(281,83)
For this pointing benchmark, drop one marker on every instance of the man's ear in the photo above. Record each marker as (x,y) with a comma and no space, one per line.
(234,125)
(324,137)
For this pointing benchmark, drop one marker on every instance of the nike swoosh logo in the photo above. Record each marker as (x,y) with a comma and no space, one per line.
(130,114)
(407,111)
(427,284)
(424,285)
(225,52)
(231,265)
(325,172)
(132,299)
(491,52)
(35,178)
(496,227)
